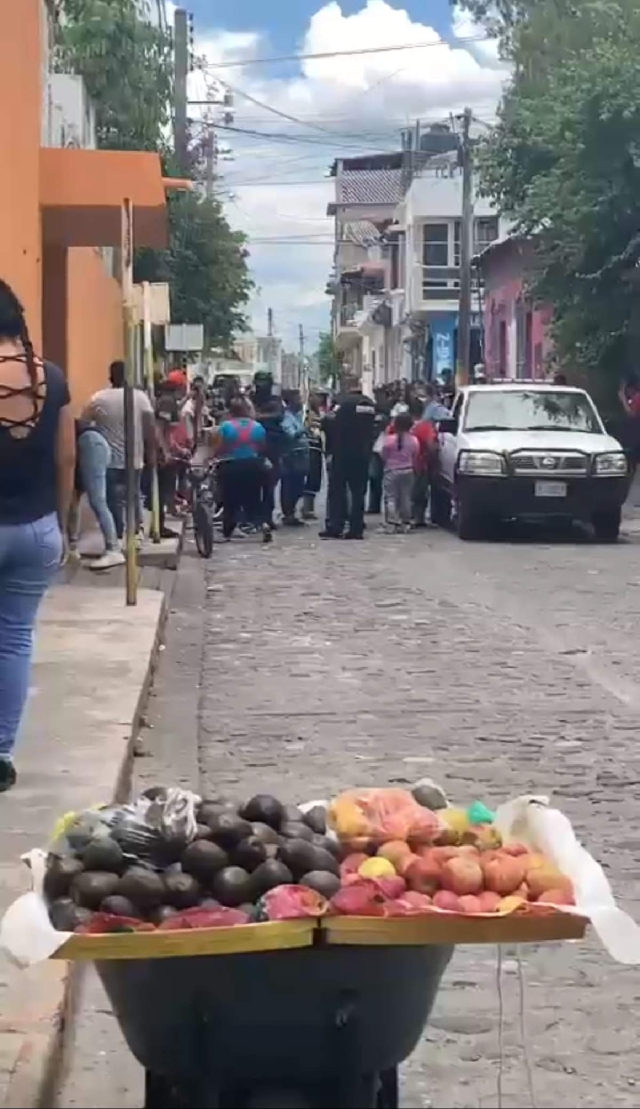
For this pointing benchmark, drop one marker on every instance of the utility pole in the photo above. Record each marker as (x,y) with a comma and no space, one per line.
(301,367)
(466,250)
(211,160)
(181,72)
(270,350)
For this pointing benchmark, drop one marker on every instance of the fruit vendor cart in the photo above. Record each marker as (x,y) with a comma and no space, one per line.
(303,1013)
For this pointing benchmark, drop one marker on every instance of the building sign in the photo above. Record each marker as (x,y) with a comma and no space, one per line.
(442,333)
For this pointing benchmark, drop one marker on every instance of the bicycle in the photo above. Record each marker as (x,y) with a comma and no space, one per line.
(203,507)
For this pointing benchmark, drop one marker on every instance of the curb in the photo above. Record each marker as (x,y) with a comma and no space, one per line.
(43,1015)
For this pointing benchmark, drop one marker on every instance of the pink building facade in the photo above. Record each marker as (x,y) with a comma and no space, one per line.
(516,331)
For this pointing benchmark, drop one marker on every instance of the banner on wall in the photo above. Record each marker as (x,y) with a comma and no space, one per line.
(442,334)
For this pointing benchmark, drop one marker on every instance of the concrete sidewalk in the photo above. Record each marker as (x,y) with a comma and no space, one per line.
(94,660)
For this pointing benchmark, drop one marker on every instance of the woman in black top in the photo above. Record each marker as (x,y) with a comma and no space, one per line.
(37,459)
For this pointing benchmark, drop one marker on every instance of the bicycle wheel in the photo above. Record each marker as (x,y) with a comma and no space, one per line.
(203,530)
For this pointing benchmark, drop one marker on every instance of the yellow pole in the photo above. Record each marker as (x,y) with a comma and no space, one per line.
(148,371)
(133,493)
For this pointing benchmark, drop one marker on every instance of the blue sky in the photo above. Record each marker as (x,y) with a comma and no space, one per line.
(285,21)
(275,189)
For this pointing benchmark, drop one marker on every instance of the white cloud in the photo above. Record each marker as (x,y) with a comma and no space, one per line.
(350,105)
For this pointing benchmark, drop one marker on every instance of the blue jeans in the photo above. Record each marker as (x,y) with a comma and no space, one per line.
(94,456)
(30,554)
(117,498)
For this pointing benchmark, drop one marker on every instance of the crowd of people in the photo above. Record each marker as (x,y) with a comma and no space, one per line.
(263,447)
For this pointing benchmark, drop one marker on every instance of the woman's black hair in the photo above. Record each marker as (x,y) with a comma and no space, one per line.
(13,325)
(403,422)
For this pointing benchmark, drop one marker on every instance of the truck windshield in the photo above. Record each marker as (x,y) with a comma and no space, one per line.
(511,410)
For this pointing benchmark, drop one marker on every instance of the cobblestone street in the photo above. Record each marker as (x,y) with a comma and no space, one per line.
(497,669)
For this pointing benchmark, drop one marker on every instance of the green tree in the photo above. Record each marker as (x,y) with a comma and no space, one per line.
(126,62)
(329,360)
(205,266)
(564,163)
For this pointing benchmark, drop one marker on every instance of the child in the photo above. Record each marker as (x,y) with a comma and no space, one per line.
(400,452)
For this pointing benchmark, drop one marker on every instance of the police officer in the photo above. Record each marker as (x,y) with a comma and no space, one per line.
(350,432)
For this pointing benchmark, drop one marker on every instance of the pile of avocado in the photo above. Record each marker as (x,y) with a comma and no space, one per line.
(238,855)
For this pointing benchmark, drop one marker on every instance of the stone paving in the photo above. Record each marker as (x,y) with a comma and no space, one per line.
(495,668)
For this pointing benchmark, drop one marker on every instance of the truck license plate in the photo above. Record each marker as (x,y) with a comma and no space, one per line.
(551,489)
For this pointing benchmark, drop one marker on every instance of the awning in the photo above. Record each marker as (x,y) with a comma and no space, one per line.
(81,194)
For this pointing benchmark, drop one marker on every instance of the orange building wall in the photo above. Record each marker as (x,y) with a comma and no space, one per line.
(94,323)
(20,127)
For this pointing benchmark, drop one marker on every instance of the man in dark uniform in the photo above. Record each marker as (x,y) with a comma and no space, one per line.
(350,432)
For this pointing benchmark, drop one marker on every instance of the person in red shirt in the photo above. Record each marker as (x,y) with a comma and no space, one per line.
(427,436)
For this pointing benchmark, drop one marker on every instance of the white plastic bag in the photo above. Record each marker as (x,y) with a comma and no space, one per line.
(530,820)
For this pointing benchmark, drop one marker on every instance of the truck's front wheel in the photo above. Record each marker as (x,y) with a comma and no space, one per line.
(606,524)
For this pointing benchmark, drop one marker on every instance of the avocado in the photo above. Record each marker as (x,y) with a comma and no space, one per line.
(322,882)
(430,795)
(59,876)
(203,831)
(120,906)
(144,887)
(211,810)
(292,814)
(269,875)
(203,860)
(66,916)
(265,809)
(296,830)
(182,890)
(162,913)
(228,829)
(265,832)
(324,860)
(249,853)
(168,850)
(209,903)
(316,819)
(90,888)
(298,855)
(232,886)
(103,854)
(155,793)
(329,844)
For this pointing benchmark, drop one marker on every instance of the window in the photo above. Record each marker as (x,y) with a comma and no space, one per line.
(435,244)
(486,233)
(524,410)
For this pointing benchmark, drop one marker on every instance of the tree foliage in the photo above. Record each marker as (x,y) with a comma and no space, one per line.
(205,266)
(564,162)
(329,360)
(126,63)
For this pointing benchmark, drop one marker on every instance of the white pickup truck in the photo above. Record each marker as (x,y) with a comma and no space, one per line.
(527,450)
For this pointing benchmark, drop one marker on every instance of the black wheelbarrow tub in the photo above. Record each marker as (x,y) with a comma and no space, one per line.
(284,1015)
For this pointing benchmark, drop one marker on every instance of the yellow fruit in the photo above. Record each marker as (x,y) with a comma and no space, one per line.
(455,819)
(377,868)
(511,904)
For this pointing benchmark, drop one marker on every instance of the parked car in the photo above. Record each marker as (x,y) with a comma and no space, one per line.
(527,450)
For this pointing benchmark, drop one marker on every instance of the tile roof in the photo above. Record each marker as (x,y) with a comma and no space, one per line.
(370,186)
(361,231)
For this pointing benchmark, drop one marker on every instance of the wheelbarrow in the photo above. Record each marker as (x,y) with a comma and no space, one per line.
(319,1027)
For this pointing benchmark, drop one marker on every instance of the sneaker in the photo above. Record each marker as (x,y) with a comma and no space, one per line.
(354,535)
(329,534)
(267,534)
(107,561)
(8,776)
(292,522)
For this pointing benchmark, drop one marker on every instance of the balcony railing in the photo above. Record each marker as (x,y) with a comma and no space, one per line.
(348,314)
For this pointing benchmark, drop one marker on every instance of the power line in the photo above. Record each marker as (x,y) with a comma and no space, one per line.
(281,136)
(351,53)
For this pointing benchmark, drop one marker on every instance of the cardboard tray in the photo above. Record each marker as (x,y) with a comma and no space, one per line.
(437,928)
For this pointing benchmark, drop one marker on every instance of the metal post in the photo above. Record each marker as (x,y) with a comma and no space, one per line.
(466,248)
(211,160)
(302,385)
(270,351)
(181,71)
(129,410)
(148,373)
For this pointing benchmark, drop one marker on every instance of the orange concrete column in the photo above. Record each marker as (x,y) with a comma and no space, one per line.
(20,126)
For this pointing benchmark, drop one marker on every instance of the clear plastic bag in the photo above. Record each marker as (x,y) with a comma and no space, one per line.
(380,815)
